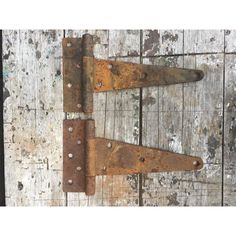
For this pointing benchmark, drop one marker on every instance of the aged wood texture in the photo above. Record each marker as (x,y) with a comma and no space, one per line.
(230,120)
(188,119)
(192,118)
(33,118)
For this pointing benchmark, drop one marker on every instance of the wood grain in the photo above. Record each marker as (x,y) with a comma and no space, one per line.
(33,117)
(230,131)
(188,119)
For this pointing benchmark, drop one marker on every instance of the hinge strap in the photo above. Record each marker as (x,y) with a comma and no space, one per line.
(83,74)
(116,75)
(85,157)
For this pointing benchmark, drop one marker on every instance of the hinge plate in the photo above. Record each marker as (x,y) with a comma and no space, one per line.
(86,156)
(84,75)
(72,74)
(73,156)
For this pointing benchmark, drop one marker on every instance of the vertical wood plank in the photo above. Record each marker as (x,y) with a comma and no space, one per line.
(230,132)
(230,41)
(189,120)
(33,116)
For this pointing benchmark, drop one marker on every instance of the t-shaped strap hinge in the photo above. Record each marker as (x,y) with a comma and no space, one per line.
(86,156)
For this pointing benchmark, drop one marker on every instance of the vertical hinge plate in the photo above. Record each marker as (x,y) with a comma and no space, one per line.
(73,155)
(72,74)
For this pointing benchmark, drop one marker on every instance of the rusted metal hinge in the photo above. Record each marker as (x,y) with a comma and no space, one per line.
(86,156)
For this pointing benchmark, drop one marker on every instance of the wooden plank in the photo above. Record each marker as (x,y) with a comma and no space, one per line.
(230,42)
(33,115)
(203,41)
(230,132)
(124,43)
(188,120)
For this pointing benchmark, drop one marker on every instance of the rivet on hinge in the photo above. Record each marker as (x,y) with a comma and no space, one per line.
(142,159)
(70,129)
(78,168)
(70,155)
(109,145)
(195,163)
(69,85)
(70,181)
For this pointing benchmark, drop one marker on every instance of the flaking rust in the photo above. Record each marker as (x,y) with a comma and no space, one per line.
(84,75)
(84,155)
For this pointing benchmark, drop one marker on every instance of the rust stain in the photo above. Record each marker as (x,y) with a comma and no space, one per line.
(115,75)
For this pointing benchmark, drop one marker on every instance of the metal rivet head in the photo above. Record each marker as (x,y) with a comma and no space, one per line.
(99,84)
(78,168)
(142,159)
(70,181)
(70,129)
(109,66)
(195,163)
(109,145)
(79,105)
(69,85)
(143,75)
(104,168)
(70,155)
(79,142)
(68,45)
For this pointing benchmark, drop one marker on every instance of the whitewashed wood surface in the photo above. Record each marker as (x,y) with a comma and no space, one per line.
(195,118)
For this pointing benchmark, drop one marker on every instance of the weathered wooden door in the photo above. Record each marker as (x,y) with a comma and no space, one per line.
(197,118)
